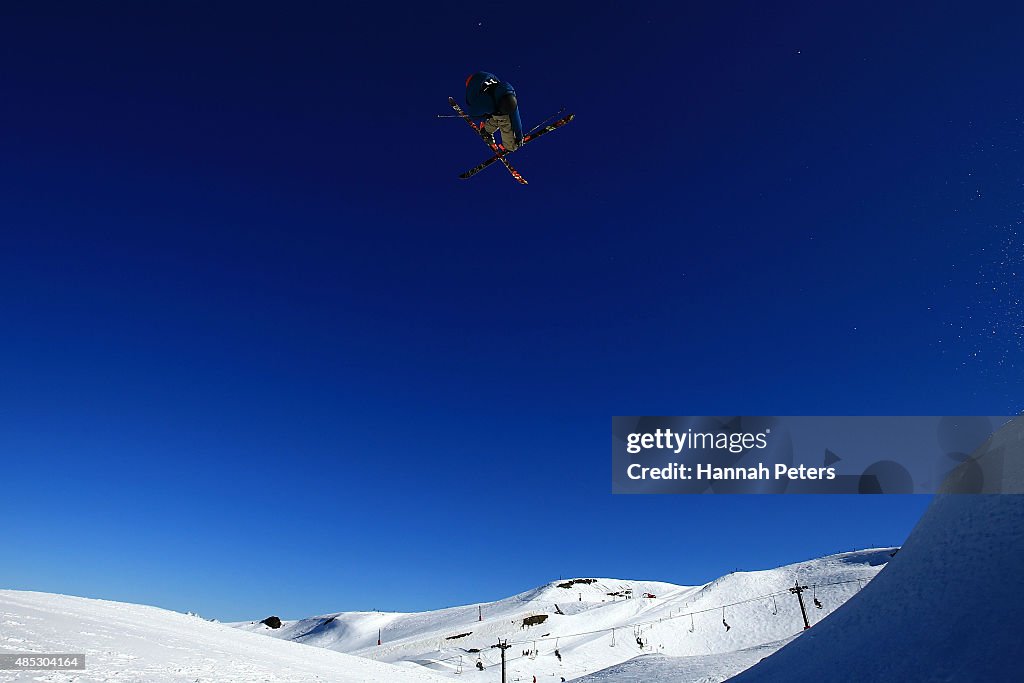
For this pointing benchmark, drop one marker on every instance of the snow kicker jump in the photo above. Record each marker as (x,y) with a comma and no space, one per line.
(493,102)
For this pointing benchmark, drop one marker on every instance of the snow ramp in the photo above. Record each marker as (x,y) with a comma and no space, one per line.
(948,607)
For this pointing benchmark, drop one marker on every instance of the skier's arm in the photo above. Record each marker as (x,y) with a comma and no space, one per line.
(517,125)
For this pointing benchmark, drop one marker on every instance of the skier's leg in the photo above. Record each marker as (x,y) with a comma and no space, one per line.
(508,137)
(487,129)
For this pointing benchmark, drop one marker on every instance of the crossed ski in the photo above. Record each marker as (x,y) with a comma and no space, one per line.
(500,152)
(532,136)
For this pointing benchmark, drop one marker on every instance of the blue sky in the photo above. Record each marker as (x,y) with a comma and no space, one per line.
(264,352)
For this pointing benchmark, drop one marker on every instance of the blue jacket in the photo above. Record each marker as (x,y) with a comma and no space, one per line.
(483,92)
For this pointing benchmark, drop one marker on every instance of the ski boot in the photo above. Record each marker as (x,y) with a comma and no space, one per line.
(487,137)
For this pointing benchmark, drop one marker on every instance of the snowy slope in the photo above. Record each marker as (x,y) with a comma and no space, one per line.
(580,617)
(135,643)
(695,669)
(947,608)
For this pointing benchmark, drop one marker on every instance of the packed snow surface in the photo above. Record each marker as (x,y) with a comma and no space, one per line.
(695,669)
(134,643)
(574,627)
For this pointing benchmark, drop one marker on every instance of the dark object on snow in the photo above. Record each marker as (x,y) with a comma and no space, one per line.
(534,620)
(272,622)
(817,603)
(558,654)
(726,624)
(558,610)
(573,582)
(479,665)
(461,635)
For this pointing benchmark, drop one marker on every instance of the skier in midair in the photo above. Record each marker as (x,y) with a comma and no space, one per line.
(493,102)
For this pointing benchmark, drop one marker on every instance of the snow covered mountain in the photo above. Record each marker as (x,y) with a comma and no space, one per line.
(948,608)
(136,643)
(571,628)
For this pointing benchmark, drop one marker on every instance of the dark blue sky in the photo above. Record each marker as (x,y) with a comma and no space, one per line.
(262,351)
